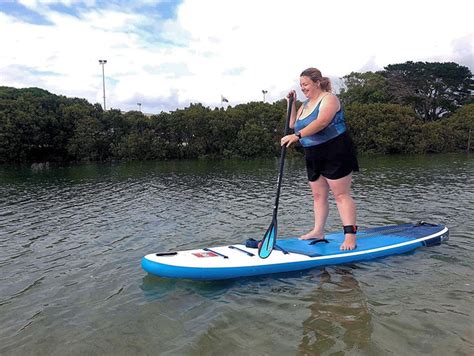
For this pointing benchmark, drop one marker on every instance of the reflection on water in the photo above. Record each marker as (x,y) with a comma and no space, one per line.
(71,240)
(340,318)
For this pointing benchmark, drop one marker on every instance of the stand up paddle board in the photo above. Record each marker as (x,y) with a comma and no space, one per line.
(292,254)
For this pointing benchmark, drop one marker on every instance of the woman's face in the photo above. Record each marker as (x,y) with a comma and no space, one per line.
(308,87)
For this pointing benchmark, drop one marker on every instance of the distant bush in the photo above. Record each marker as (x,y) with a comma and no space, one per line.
(37,126)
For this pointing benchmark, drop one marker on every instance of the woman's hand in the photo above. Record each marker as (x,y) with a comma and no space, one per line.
(291,93)
(288,140)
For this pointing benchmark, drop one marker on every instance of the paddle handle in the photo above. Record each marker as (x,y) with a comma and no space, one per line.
(288,116)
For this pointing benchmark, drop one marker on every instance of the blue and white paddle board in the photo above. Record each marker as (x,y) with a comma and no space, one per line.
(292,254)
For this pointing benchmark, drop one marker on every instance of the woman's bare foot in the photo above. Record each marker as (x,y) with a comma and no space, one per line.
(349,242)
(313,234)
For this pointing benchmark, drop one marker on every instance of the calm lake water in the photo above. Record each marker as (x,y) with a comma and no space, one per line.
(71,241)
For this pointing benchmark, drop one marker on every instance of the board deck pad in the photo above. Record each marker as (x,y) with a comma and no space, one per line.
(292,254)
(366,240)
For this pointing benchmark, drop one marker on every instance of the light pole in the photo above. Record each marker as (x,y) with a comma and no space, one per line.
(102,63)
(264,92)
(139,107)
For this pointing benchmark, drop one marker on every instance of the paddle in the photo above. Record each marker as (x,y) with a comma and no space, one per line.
(266,246)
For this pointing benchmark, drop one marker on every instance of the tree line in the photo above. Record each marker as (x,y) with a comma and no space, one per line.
(412,107)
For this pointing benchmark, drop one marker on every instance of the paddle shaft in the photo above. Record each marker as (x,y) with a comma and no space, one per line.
(282,159)
(269,239)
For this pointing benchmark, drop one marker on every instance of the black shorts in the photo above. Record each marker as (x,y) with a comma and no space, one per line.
(333,159)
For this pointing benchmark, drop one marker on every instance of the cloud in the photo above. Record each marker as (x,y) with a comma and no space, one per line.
(370,66)
(20,75)
(463,52)
(167,54)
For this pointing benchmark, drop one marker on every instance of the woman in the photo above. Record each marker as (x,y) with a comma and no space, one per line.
(330,156)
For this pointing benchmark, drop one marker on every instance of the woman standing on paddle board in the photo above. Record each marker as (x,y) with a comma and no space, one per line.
(330,155)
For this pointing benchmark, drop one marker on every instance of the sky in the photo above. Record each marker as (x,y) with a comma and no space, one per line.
(167,54)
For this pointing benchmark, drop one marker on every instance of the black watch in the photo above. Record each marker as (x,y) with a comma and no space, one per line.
(298,134)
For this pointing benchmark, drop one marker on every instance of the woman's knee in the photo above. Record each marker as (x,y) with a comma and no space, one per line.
(320,196)
(342,197)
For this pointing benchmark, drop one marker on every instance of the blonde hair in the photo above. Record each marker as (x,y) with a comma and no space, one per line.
(316,76)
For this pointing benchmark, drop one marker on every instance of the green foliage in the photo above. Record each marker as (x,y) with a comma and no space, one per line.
(449,135)
(391,128)
(432,90)
(435,137)
(253,141)
(88,140)
(365,88)
(461,125)
(382,128)
(35,124)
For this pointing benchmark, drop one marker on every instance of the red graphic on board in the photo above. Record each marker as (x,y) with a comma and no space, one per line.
(205,254)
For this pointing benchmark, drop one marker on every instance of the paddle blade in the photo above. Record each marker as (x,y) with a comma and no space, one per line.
(268,241)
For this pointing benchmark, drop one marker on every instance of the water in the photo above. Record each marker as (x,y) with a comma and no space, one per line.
(71,240)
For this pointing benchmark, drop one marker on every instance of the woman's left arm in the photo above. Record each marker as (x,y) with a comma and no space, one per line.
(327,110)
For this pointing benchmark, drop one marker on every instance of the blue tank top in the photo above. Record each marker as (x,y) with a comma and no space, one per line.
(336,127)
